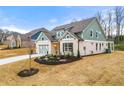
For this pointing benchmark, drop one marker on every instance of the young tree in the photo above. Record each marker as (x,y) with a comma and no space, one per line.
(30,51)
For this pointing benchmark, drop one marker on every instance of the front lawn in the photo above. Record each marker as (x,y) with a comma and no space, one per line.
(120,47)
(103,69)
(13,52)
(3,46)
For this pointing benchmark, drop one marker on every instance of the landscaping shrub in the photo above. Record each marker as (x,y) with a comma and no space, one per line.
(42,57)
(78,54)
(67,55)
(1,43)
(54,60)
(108,51)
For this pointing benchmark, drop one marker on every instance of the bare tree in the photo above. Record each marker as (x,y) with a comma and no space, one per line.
(3,35)
(99,17)
(109,23)
(102,21)
(119,17)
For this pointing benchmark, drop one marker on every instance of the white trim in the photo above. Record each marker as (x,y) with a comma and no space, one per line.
(66,34)
(98,41)
(88,26)
(99,26)
(40,36)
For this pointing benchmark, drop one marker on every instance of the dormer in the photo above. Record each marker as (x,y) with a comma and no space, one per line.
(59,33)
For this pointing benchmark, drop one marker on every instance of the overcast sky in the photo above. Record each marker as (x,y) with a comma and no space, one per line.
(24,19)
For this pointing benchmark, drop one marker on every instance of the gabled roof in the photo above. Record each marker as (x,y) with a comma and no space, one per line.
(49,35)
(45,31)
(29,34)
(35,36)
(75,27)
(71,33)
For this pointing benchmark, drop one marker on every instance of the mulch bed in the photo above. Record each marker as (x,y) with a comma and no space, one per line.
(28,72)
(61,61)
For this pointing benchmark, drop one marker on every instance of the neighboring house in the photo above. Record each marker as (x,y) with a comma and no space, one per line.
(85,36)
(3,37)
(13,41)
(26,38)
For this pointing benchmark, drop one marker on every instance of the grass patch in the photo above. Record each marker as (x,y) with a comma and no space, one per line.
(120,46)
(103,69)
(13,52)
(3,46)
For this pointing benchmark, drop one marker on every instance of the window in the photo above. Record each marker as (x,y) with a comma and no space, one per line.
(96,34)
(62,33)
(42,38)
(58,34)
(100,46)
(91,33)
(106,44)
(84,49)
(112,45)
(67,36)
(96,46)
(68,47)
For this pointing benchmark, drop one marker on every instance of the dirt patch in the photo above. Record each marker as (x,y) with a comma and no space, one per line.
(103,69)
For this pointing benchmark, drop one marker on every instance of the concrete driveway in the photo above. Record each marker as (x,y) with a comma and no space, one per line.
(16,58)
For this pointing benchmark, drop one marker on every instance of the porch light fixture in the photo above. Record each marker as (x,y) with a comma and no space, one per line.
(55,45)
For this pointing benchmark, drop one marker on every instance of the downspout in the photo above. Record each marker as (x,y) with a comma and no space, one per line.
(78,44)
(78,52)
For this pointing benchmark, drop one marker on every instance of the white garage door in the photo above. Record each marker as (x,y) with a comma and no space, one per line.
(43,49)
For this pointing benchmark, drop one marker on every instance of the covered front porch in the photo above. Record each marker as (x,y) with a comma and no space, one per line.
(55,48)
(64,48)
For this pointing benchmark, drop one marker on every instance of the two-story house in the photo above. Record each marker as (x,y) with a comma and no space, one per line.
(85,36)
(13,41)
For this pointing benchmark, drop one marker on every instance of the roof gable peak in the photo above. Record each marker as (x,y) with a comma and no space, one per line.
(77,26)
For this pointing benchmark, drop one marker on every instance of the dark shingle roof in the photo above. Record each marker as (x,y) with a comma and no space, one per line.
(75,27)
(29,34)
(35,36)
(49,35)
(38,31)
(74,34)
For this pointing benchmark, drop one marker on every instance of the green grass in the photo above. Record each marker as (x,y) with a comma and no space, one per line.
(120,46)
